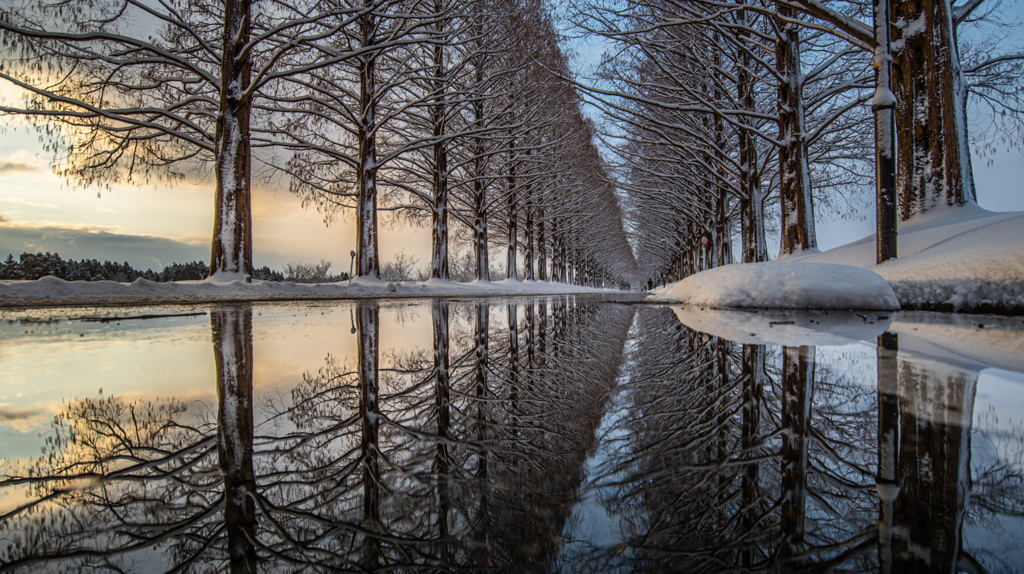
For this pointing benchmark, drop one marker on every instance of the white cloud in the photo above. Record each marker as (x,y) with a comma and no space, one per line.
(21,161)
(28,202)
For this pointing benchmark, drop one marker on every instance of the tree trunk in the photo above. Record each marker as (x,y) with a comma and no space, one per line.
(751,208)
(723,235)
(529,276)
(511,272)
(367,255)
(439,223)
(884,105)
(542,249)
(751,199)
(232,224)
(796,204)
(934,164)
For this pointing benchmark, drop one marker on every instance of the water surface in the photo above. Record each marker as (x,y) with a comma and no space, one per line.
(534,435)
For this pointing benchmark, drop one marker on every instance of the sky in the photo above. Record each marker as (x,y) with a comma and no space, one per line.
(152,226)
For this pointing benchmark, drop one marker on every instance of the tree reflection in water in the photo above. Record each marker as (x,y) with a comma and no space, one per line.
(484,452)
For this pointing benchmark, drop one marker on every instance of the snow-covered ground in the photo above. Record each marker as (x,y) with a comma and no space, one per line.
(53,291)
(955,259)
(783,285)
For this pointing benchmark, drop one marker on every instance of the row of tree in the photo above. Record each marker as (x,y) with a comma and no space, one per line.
(452,111)
(723,111)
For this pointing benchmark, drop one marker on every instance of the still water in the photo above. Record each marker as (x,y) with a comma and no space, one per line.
(531,435)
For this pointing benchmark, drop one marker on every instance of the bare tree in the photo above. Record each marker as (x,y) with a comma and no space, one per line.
(127,90)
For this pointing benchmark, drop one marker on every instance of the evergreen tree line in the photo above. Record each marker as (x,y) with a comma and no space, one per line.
(32,266)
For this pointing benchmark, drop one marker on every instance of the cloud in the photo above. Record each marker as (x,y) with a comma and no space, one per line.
(23,201)
(4,218)
(21,420)
(8,166)
(10,414)
(21,161)
(94,242)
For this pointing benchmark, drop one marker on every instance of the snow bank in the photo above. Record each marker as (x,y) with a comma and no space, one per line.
(953,259)
(53,291)
(788,328)
(783,285)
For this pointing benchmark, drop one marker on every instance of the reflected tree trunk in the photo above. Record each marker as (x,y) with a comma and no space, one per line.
(481,354)
(531,341)
(797,395)
(936,412)
(753,372)
(439,311)
(887,481)
(725,480)
(232,351)
(368,334)
(513,356)
(542,328)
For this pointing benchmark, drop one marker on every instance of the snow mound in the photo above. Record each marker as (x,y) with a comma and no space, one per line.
(952,259)
(783,285)
(788,328)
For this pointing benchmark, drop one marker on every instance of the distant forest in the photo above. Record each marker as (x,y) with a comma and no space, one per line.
(33,266)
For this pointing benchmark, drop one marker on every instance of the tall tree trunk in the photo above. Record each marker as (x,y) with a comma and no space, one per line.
(751,198)
(232,224)
(511,271)
(367,254)
(542,248)
(481,272)
(796,203)
(723,235)
(439,223)
(884,106)
(528,237)
(934,164)
(556,268)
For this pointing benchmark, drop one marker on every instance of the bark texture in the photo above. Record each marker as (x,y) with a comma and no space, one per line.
(232,224)
(934,164)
